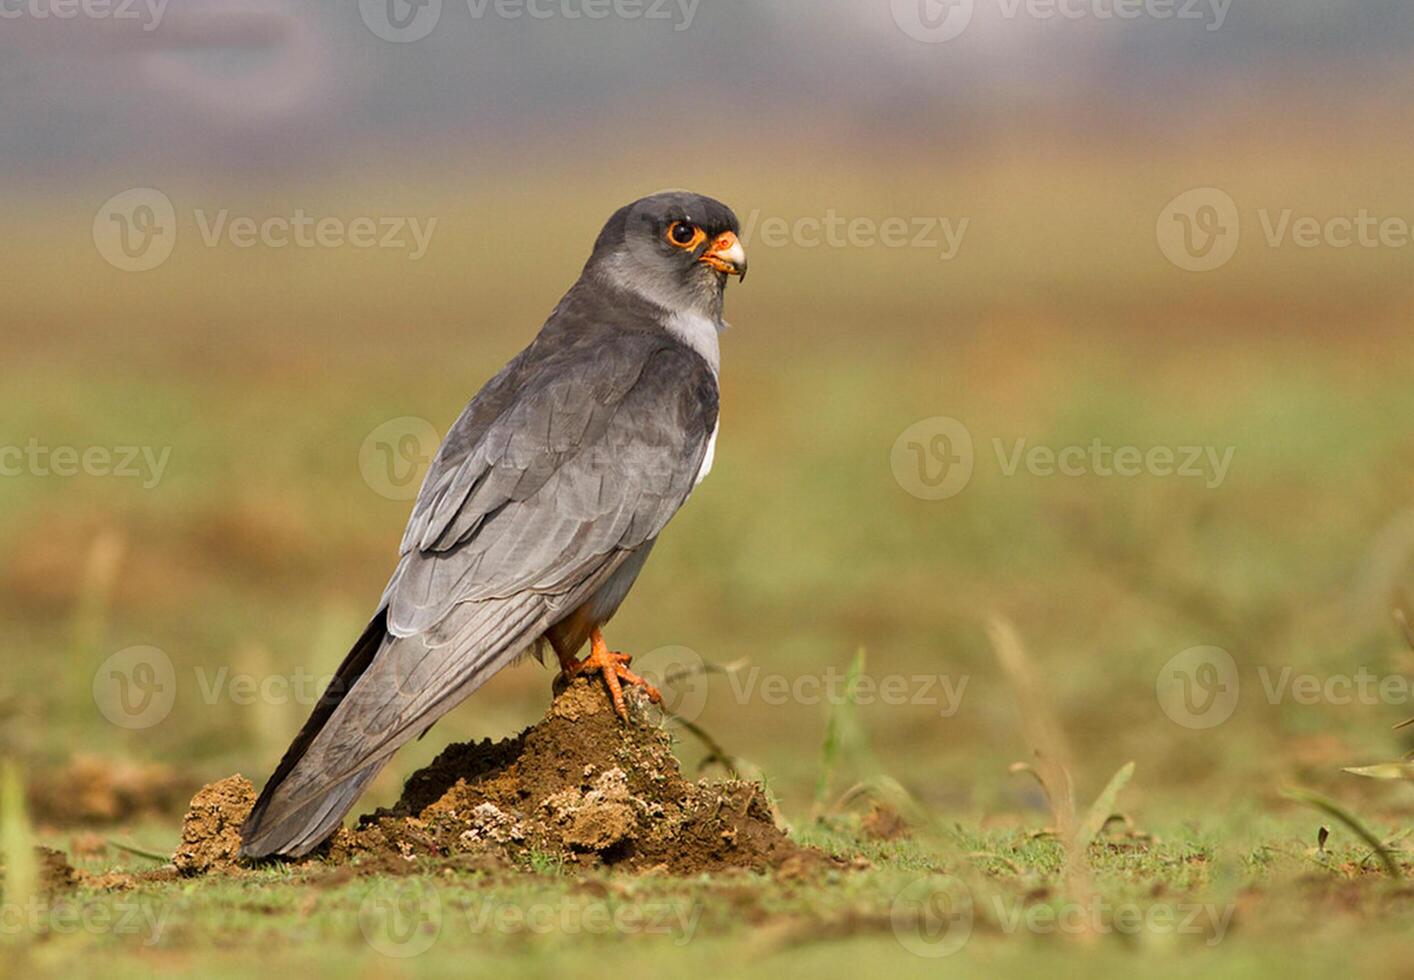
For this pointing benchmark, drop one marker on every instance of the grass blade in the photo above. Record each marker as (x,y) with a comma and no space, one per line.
(16,845)
(1386,770)
(1334,809)
(841,717)
(1104,805)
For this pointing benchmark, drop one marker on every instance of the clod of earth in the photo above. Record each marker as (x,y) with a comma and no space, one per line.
(211,832)
(581,789)
(54,873)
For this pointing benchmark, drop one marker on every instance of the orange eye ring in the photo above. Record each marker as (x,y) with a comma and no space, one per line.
(695,236)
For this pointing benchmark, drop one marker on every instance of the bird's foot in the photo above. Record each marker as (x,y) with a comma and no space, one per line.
(614,668)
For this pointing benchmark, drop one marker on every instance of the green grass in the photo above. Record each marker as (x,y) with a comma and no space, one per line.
(1210,897)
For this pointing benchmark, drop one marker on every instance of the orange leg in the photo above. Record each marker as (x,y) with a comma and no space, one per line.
(614,668)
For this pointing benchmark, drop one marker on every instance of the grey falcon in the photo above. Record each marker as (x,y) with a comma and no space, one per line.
(538,511)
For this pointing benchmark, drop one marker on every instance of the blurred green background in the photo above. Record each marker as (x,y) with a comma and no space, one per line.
(1060,320)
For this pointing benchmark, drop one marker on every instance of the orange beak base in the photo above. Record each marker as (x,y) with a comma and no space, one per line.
(726,255)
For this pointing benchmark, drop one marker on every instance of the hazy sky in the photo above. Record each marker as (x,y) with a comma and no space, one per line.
(246,86)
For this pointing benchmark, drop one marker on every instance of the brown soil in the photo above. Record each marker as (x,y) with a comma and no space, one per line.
(581,788)
(91,790)
(883,822)
(53,871)
(211,832)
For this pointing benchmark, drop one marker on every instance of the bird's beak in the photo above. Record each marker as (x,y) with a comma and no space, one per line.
(726,254)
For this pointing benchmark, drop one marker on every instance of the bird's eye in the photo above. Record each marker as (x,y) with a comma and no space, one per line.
(684,234)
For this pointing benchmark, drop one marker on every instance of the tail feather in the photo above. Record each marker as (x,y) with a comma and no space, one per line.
(298,832)
(387,691)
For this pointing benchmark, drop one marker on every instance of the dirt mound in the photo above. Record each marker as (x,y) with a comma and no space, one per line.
(580,788)
(91,790)
(211,832)
(53,873)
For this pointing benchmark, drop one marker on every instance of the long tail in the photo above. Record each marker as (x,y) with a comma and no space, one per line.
(298,830)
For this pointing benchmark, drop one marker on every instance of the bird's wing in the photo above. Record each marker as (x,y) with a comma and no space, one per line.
(596,453)
(564,464)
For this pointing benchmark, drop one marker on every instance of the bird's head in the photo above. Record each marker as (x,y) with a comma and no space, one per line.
(676,249)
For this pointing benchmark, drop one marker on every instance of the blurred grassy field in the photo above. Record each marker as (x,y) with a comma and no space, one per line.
(263,549)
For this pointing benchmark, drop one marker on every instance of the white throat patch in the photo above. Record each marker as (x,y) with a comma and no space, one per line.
(701,334)
(697,329)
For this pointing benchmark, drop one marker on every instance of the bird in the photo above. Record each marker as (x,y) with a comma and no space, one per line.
(538,511)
